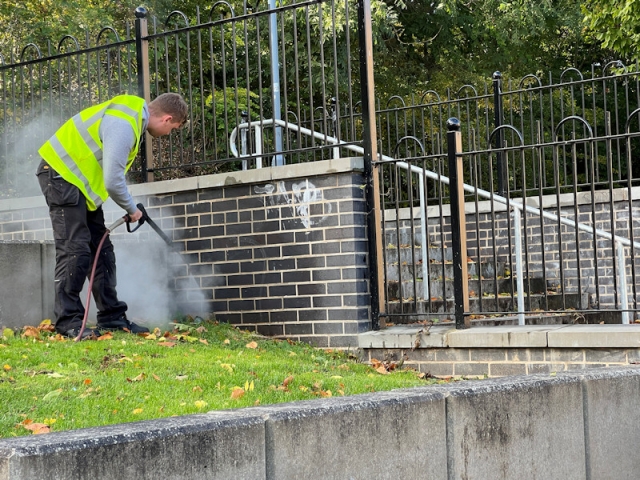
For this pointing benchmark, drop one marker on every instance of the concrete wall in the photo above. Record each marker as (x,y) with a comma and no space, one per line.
(569,426)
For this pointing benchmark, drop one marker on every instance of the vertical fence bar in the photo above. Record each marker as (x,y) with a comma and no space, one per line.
(370,144)
(458,224)
(142,60)
(497,106)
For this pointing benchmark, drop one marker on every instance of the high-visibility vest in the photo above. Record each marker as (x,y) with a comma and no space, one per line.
(75,150)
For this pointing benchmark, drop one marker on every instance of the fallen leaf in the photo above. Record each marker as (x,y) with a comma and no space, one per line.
(155,377)
(237,393)
(139,378)
(87,381)
(196,389)
(181,377)
(52,394)
(167,344)
(137,411)
(106,336)
(228,367)
(31,332)
(37,428)
(7,333)
(7,367)
(226,341)
(203,340)
(201,403)
(382,370)
(55,375)
(252,345)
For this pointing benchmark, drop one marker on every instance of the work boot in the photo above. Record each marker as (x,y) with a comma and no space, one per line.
(88,333)
(121,323)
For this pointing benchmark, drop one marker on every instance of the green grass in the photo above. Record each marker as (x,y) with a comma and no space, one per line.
(51,384)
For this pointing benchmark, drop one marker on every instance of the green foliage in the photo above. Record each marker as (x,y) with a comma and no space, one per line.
(615,24)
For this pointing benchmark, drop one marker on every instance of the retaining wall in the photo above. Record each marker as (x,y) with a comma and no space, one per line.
(568,426)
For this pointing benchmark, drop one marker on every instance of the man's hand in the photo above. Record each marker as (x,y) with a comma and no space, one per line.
(135,216)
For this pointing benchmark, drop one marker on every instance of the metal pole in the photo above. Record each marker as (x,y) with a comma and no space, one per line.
(520,276)
(371,177)
(497,104)
(142,61)
(622,283)
(275,80)
(458,224)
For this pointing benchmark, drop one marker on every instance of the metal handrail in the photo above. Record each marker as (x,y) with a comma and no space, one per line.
(509,203)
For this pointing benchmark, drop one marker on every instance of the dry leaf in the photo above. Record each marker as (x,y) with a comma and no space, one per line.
(137,411)
(226,341)
(106,336)
(167,344)
(37,428)
(203,340)
(237,393)
(87,381)
(201,403)
(252,345)
(155,377)
(7,367)
(382,370)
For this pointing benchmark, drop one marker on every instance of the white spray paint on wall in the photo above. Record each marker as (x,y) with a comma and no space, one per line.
(303,195)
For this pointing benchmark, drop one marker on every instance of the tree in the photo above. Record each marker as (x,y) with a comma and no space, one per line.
(615,23)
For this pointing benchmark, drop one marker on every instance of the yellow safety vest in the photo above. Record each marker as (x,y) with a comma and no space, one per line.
(75,151)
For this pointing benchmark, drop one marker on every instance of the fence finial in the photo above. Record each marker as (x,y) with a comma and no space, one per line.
(141,12)
(453,124)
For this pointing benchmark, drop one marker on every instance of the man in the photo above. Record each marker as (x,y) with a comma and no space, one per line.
(83,164)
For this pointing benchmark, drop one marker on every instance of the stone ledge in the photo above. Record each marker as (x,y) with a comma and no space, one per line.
(512,336)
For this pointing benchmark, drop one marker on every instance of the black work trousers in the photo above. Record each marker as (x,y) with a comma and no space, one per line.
(77,233)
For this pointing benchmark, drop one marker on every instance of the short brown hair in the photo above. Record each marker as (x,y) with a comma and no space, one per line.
(171,104)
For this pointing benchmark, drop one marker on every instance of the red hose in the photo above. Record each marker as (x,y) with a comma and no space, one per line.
(93,273)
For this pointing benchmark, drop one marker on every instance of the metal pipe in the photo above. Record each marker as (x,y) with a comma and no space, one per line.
(622,284)
(519,276)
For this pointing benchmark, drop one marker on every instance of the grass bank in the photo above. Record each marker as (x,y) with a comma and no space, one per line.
(48,383)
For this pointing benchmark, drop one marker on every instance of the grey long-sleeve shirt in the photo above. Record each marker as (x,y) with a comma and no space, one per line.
(118,139)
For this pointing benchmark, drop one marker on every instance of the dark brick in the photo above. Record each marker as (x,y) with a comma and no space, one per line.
(201,269)
(240,254)
(237,191)
(295,250)
(187,233)
(179,222)
(328,328)
(266,226)
(310,236)
(252,240)
(353,219)
(355,246)
(245,216)
(258,215)
(282,264)
(349,314)
(224,206)
(199,245)
(347,260)
(214,281)
(238,229)
(270,330)
(310,262)
(218,306)
(156,201)
(343,341)
(250,203)
(283,237)
(327,301)
(258,266)
(217,218)
(227,268)
(273,213)
(231,217)
(325,248)
(312,289)
(325,182)
(253,292)
(342,193)
(352,206)
(225,242)
(344,233)
(347,287)
(222,293)
(326,221)
(292,224)
(297,302)
(211,194)
(310,315)
(323,275)
(267,252)
(242,279)
(217,256)
(320,342)
(268,304)
(351,179)
(355,274)
(185,197)
(316,209)
(282,316)
(298,329)
(282,290)
(198,208)
(214,231)
(240,305)
(296,276)
(357,327)
(186,283)
(193,221)
(356,300)
(287,212)
(255,317)
(172,211)
(267,278)
(232,318)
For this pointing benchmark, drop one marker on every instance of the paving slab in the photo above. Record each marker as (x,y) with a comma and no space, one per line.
(406,336)
(595,336)
(522,336)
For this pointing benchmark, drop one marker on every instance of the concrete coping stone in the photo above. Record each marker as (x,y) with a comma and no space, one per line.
(508,336)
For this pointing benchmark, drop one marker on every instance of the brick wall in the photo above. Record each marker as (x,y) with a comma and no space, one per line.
(279,250)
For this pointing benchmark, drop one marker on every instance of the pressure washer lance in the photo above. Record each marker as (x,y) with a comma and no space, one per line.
(110,229)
